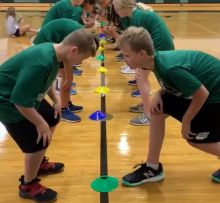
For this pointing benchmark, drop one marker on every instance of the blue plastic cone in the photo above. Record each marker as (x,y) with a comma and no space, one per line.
(97,116)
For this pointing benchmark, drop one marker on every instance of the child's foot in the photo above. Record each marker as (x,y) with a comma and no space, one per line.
(47,167)
(35,191)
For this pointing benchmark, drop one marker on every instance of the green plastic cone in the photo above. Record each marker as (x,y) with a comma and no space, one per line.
(104,184)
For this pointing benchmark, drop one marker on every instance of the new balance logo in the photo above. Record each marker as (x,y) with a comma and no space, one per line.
(202,136)
(148,174)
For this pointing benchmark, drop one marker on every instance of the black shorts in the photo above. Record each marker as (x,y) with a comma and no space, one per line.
(206,124)
(25,133)
(17,33)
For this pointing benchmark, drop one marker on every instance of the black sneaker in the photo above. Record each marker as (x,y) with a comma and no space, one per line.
(35,191)
(143,174)
(216,176)
(47,168)
(74,108)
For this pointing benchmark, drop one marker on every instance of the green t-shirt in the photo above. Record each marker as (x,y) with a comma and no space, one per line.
(154,24)
(183,72)
(63,9)
(25,79)
(56,30)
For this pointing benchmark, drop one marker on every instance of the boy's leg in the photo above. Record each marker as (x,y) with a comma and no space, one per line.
(66,113)
(64,96)
(32,162)
(25,135)
(144,87)
(156,137)
(152,171)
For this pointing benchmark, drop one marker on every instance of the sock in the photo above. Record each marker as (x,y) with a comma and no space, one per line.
(153,166)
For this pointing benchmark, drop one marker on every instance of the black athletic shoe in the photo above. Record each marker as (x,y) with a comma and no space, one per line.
(143,174)
(216,176)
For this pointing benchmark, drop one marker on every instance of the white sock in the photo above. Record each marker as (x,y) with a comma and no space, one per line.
(153,166)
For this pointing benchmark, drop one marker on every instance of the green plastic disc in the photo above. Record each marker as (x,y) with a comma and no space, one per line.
(104,184)
(100,57)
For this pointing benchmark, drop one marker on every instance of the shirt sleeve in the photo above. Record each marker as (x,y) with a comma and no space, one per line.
(30,85)
(184,81)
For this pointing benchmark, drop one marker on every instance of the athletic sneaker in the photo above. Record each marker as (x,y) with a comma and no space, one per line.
(140,120)
(77,71)
(47,167)
(119,58)
(74,108)
(67,115)
(73,84)
(132,82)
(123,67)
(128,70)
(143,174)
(216,176)
(136,93)
(139,108)
(35,191)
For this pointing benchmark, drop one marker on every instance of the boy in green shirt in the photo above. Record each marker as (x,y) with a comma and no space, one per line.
(55,31)
(72,9)
(30,120)
(190,93)
(162,40)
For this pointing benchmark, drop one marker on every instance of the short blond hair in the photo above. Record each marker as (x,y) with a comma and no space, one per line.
(138,39)
(84,40)
(124,3)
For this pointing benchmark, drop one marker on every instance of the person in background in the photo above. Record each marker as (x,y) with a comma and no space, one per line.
(15,26)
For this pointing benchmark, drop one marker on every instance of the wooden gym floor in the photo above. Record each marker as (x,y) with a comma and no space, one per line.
(77,145)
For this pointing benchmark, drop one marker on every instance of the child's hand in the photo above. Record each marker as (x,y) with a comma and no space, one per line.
(44,133)
(157,104)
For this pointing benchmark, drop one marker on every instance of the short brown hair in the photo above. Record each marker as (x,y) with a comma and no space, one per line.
(83,39)
(138,39)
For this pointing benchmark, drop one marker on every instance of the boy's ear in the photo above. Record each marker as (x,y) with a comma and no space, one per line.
(73,49)
(143,52)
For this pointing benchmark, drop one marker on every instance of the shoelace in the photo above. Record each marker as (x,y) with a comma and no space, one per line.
(140,164)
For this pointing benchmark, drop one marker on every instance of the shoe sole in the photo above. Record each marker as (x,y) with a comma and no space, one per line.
(132,84)
(77,111)
(63,119)
(26,196)
(158,178)
(215,179)
(141,124)
(135,111)
(137,96)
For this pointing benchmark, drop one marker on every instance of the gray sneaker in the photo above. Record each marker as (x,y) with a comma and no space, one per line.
(140,120)
(139,108)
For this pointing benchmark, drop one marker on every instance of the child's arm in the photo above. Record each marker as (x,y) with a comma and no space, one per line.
(198,100)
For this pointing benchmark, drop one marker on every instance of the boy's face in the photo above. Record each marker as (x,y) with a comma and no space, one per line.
(133,59)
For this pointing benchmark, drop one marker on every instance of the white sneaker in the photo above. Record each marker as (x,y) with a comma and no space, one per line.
(128,70)
(124,67)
